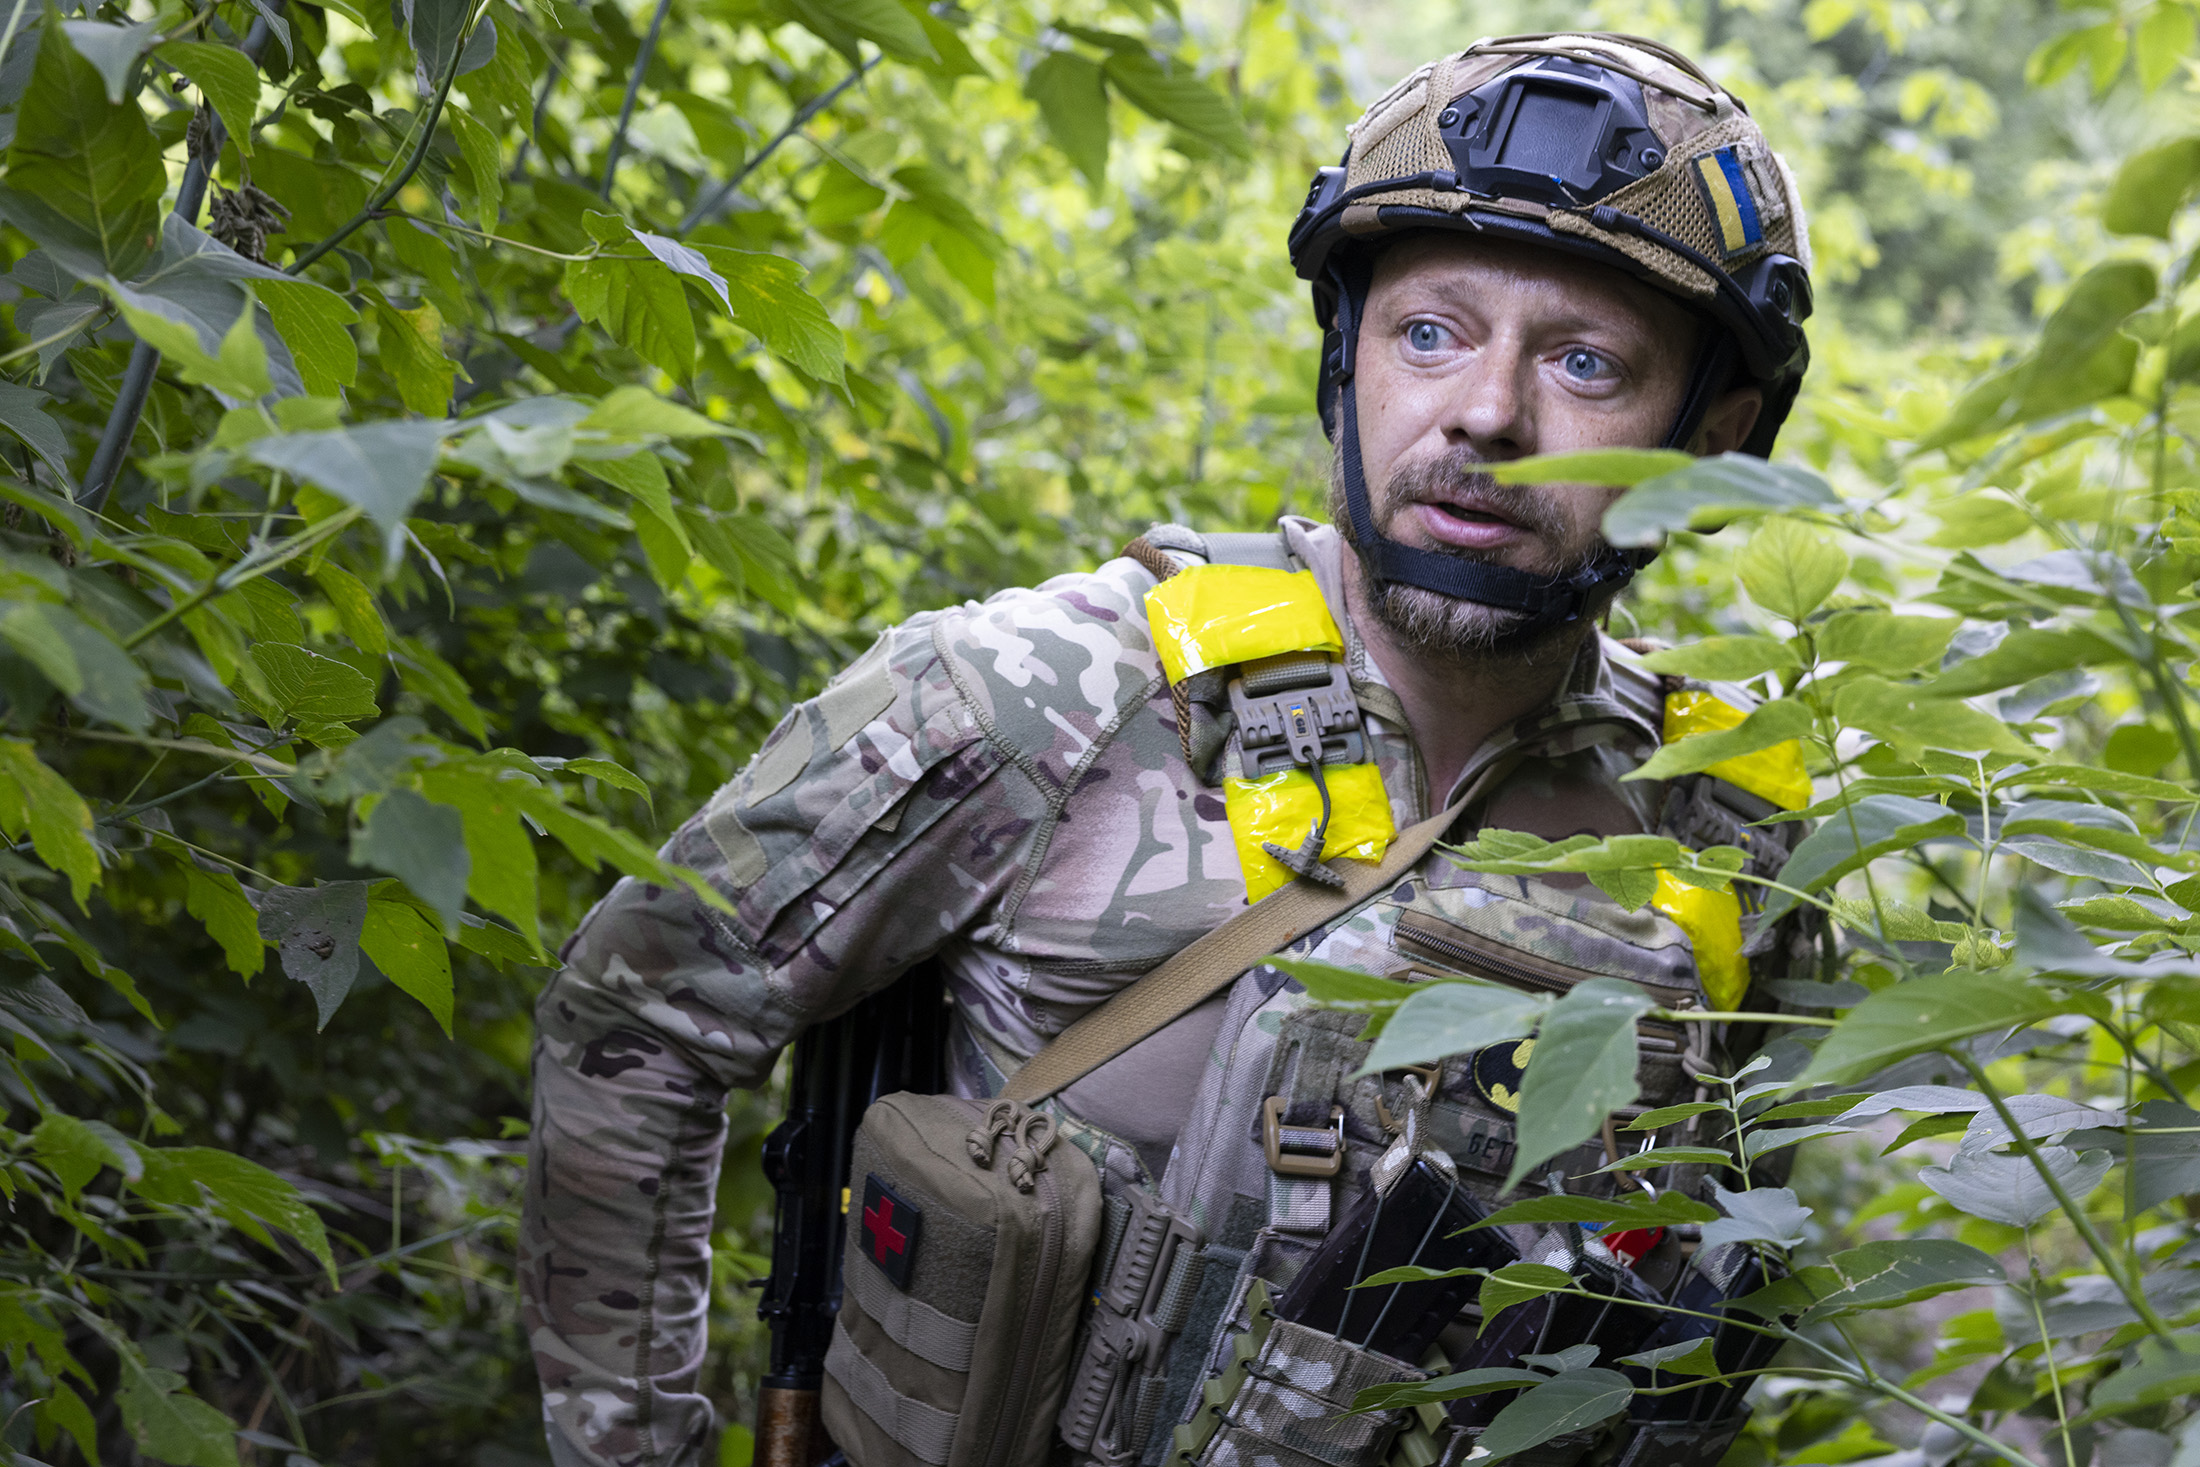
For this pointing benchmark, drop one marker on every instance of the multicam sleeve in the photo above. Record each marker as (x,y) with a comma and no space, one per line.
(863,835)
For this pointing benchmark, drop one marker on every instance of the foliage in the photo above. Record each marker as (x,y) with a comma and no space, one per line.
(2014,884)
(550,393)
(395,549)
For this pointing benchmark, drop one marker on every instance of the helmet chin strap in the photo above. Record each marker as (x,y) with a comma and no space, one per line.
(1544,600)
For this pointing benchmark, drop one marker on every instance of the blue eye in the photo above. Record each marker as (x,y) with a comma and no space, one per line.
(1425,336)
(1584,365)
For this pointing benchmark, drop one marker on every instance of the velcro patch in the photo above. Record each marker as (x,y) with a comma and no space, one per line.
(890,1225)
(1726,191)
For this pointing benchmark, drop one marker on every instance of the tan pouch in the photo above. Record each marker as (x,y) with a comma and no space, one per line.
(970,1239)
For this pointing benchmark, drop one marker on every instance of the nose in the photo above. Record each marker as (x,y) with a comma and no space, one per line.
(1489,408)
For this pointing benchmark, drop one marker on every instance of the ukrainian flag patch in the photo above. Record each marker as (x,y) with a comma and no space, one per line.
(1726,190)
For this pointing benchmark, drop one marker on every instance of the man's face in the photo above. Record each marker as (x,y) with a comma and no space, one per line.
(1473,351)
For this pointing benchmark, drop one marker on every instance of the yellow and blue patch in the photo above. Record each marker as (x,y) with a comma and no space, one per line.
(1726,190)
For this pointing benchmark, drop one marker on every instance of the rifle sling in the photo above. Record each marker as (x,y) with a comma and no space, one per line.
(1215,961)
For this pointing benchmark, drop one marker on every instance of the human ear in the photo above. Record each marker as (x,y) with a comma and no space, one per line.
(1726,426)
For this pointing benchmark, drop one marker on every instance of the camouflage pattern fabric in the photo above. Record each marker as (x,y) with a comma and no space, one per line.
(1001,785)
(1292,1408)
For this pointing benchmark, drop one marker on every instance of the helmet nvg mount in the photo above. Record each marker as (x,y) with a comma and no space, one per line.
(1606,147)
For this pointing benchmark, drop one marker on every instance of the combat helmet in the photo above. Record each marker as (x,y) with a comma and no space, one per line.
(1607,147)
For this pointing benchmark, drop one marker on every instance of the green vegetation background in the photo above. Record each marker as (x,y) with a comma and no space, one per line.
(639,365)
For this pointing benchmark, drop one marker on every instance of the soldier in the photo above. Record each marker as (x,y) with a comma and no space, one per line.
(1539,244)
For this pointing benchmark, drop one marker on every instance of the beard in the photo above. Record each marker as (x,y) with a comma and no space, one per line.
(1450,628)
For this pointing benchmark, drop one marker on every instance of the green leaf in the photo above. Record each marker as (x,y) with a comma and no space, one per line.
(1167,91)
(640,303)
(381,467)
(422,845)
(1909,719)
(249,1196)
(411,954)
(1582,1070)
(226,77)
(839,23)
(2084,325)
(2163,39)
(218,901)
(1619,468)
(1612,1214)
(23,413)
(35,799)
(438,682)
(355,610)
(1682,1357)
(1710,493)
(1874,826)
(409,346)
(1517,1283)
(1073,103)
(501,873)
(1455,1387)
(85,664)
(2020,657)
(631,413)
(1441,1019)
(1760,1215)
(437,31)
(1790,569)
(484,158)
(113,50)
(315,930)
(1663,1116)
(1345,988)
(74,1150)
(1884,641)
(1574,1401)
(307,687)
(312,321)
(237,367)
(2151,187)
(1902,1271)
(170,1424)
(2009,1189)
(1930,1013)
(2164,1371)
(770,303)
(1725,659)
(1770,723)
(618,776)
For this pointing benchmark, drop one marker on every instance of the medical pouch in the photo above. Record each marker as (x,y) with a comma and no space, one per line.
(970,1238)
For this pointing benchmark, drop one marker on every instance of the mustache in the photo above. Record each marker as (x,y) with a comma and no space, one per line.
(1459,477)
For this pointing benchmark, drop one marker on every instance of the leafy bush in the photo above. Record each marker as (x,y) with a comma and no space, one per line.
(441,439)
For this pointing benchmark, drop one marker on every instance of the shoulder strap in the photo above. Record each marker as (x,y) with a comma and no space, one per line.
(1217,960)
(1264,548)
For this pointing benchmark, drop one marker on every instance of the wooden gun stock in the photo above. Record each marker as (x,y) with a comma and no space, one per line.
(788,1432)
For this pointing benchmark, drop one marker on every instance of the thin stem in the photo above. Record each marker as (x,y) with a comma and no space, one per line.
(15,18)
(260,762)
(244,570)
(2047,1347)
(711,201)
(424,135)
(137,377)
(486,237)
(633,90)
(1739,1016)
(2111,1261)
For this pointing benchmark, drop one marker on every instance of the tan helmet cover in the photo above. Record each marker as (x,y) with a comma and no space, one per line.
(1689,195)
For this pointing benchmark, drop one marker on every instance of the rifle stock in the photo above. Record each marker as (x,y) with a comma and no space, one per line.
(893,1041)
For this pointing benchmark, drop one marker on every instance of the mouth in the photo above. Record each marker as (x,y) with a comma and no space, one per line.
(1469,521)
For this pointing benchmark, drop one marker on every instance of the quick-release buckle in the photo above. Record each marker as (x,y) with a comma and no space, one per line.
(1301,1151)
(1294,710)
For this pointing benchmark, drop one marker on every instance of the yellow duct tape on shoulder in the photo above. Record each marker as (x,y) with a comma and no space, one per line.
(1210,616)
(1776,774)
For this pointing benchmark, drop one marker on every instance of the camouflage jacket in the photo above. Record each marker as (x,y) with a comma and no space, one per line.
(1002,786)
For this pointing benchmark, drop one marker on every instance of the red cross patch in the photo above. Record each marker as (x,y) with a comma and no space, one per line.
(887,1230)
